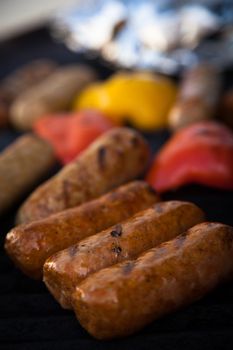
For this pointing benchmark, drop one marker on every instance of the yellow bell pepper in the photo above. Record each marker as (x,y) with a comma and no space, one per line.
(143,99)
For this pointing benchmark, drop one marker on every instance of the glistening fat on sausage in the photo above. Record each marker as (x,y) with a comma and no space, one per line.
(31,244)
(118,156)
(120,300)
(163,221)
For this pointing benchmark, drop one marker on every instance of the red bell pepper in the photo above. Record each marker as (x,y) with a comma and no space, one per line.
(71,133)
(201,153)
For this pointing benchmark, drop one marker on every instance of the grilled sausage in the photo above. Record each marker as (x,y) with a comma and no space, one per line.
(198,97)
(21,80)
(30,245)
(22,164)
(118,156)
(54,94)
(64,270)
(120,300)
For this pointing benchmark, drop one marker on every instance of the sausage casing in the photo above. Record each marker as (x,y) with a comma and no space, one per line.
(53,94)
(30,245)
(163,221)
(120,300)
(22,164)
(21,80)
(118,156)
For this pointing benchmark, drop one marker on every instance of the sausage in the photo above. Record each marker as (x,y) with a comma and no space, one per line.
(120,300)
(53,94)
(64,270)
(118,156)
(28,75)
(22,164)
(30,245)
(198,97)
(21,80)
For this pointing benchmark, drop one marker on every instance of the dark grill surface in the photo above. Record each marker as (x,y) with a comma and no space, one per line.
(31,319)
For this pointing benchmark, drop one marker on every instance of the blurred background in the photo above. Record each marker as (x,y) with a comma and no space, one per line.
(163,35)
(188,42)
(17,16)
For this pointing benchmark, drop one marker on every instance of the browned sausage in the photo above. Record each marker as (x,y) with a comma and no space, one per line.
(165,220)
(30,245)
(118,156)
(120,300)
(22,164)
(21,80)
(198,97)
(56,93)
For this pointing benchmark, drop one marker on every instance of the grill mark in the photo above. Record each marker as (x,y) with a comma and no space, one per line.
(101,157)
(117,232)
(117,250)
